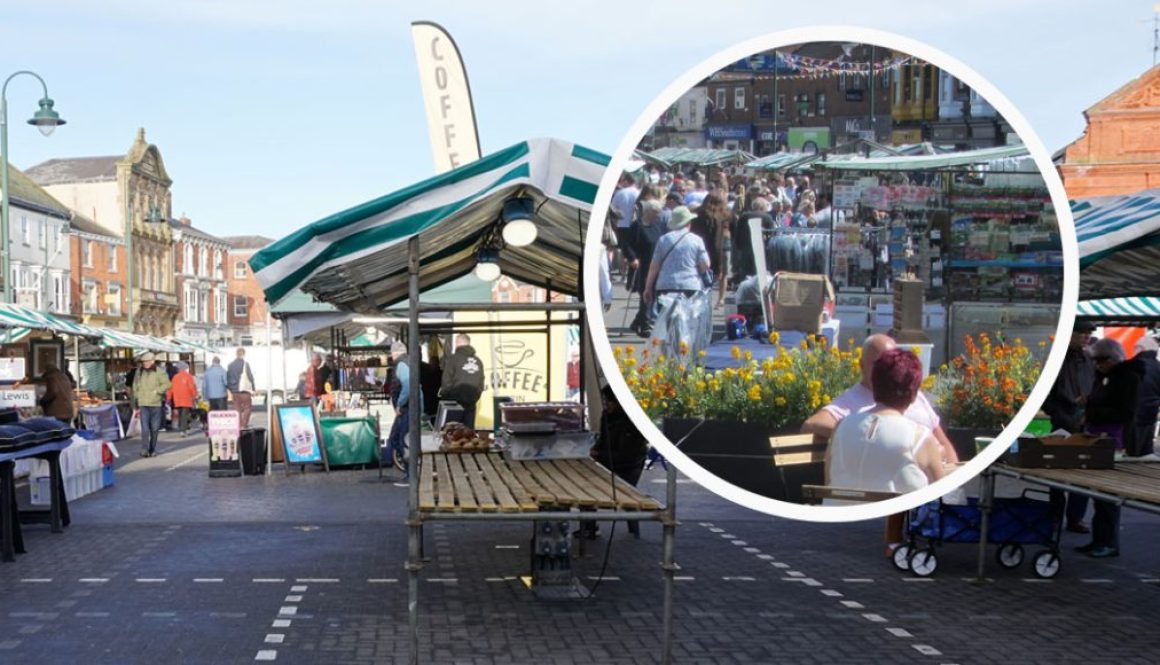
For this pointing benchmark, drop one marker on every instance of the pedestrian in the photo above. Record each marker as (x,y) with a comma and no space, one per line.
(57,401)
(679,260)
(216,385)
(183,393)
(318,376)
(714,224)
(1148,368)
(463,378)
(1110,409)
(624,203)
(642,239)
(620,448)
(240,381)
(396,440)
(1065,406)
(150,384)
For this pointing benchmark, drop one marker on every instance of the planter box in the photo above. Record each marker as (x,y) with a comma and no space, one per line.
(964,439)
(740,454)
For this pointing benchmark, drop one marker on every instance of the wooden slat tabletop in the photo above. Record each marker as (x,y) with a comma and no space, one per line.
(1129,480)
(487,482)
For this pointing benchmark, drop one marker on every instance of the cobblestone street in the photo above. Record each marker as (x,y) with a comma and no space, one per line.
(173,566)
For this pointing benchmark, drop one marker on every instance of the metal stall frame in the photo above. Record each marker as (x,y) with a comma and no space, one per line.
(415,519)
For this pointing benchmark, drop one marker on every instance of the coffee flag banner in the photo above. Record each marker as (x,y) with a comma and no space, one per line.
(446,97)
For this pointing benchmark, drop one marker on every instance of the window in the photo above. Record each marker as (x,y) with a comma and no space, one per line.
(42,233)
(24,229)
(820,103)
(739,98)
(190,300)
(241,307)
(203,261)
(720,98)
(60,239)
(113,299)
(91,295)
(802,102)
(60,293)
(239,270)
(203,306)
(693,111)
(217,264)
(111,254)
(187,262)
(246,340)
(219,306)
(88,252)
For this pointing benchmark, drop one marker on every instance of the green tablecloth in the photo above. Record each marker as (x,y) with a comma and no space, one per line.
(350,440)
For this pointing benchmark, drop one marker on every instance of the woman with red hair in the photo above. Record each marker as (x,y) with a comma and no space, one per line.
(880,449)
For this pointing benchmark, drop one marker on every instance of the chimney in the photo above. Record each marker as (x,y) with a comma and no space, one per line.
(185,221)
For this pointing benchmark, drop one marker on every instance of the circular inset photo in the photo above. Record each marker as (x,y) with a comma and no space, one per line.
(833,265)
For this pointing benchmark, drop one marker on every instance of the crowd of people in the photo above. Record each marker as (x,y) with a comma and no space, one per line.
(672,232)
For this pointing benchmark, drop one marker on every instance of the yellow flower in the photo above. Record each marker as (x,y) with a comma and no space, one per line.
(779,401)
(629,350)
(630,362)
(805,345)
(748,355)
(755,393)
(644,403)
(683,347)
(683,369)
(774,337)
(916,350)
(701,353)
(826,399)
(616,351)
(700,385)
(736,352)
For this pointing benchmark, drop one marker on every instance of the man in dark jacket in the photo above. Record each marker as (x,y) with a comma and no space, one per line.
(240,381)
(621,448)
(1147,366)
(1065,405)
(463,378)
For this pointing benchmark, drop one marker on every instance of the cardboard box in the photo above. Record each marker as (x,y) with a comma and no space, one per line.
(798,301)
(1076,451)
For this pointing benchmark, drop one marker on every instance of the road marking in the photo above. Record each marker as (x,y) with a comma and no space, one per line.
(716,530)
(778,564)
(1096,580)
(10,644)
(706,524)
(268,580)
(382,580)
(765,557)
(187,460)
(794,573)
(288,610)
(607,578)
(1035,580)
(446,580)
(150,580)
(281,623)
(41,580)
(493,579)
(266,654)
(899,632)
(298,588)
(876,618)
(740,543)
(275,638)
(683,578)
(92,614)
(162,615)
(728,536)
(321,580)
(229,615)
(927,650)
(207,580)
(739,579)
(507,547)
(854,605)
(917,579)
(831,593)
(857,580)
(752,550)
(93,580)
(293,599)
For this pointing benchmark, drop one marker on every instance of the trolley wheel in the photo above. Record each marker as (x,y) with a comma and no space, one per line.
(1047,564)
(901,557)
(923,562)
(1009,555)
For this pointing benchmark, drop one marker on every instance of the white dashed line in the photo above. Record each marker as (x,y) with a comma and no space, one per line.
(92,614)
(320,580)
(752,550)
(493,579)
(765,557)
(899,632)
(298,588)
(507,547)
(1035,580)
(161,615)
(275,638)
(268,580)
(854,605)
(293,599)
(683,578)
(778,564)
(1096,580)
(382,580)
(740,543)
(444,580)
(716,530)
(857,580)
(917,579)
(1149,580)
(831,593)
(266,654)
(288,610)
(794,573)
(739,579)
(876,618)
(281,623)
(207,580)
(607,578)
(151,580)
(926,650)
(706,524)
(93,580)
(728,536)
(36,580)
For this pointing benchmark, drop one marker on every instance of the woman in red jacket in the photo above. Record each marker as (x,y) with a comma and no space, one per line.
(183,392)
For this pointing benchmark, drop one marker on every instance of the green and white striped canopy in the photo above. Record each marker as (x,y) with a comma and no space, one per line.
(699,156)
(783,161)
(121,339)
(924,162)
(357,259)
(18,316)
(1119,245)
(1138,310)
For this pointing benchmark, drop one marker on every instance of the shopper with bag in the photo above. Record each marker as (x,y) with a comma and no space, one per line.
(240,380)
(183,394)
(150,384)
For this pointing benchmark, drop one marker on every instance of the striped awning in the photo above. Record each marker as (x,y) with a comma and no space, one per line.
(357,259)
(1121,309)
(190,346)
(18,316)
(783,161)
(121,339)
(13,335)
(924,162)
(700,156)
(1119,245)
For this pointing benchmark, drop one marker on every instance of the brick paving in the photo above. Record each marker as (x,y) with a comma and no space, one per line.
(173,566)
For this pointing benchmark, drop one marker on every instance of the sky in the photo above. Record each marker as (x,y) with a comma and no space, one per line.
(270,115)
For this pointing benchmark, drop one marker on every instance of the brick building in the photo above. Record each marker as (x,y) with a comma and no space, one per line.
(1119,152)
(99,275)
(202,288)
(247,308)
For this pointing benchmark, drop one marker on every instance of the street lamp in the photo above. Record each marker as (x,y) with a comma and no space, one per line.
(153,218)
(46,120)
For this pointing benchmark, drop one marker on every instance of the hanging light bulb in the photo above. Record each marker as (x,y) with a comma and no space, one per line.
(487,265)
(519,227)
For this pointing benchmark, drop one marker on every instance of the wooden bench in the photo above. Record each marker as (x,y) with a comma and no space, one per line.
(816,494)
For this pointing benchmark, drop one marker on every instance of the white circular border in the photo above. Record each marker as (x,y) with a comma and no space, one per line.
(1022,419)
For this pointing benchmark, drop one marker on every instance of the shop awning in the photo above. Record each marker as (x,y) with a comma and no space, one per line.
(783,161)
(191,346)
(13,335)
(121,339)
(1119,245)
(18,316)
(700,156)
(357,259)
(1138,310)
(923,162)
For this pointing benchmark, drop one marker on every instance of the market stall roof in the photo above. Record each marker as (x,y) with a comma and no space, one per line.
(18,316)
(121,339)
(700,156)
(357,259)
(1121,310)
(924,162)
(190,345)
(783,161)
(1119,245)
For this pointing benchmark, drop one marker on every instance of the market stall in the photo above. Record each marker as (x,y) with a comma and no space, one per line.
(522,210)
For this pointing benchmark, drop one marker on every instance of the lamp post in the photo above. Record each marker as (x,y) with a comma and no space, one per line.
(153,218)
(45,120)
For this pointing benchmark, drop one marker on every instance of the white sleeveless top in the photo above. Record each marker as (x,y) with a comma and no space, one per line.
(877,452)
